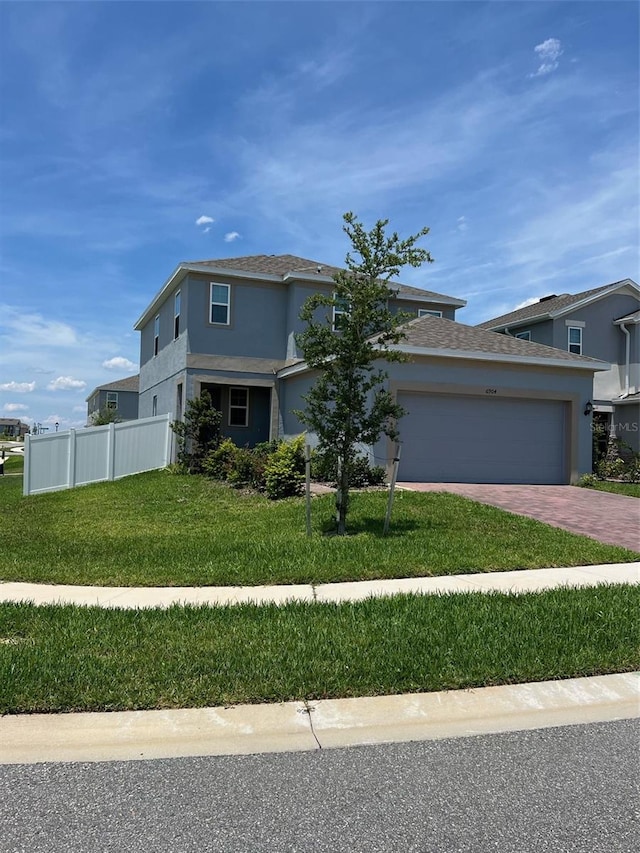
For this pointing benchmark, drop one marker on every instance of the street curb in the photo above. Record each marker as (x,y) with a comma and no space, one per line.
(322,724)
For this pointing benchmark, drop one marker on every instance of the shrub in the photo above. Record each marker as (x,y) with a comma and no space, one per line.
(284,470)
(219,463)
(324,469)
(198,434)
(588,480)
(248,469)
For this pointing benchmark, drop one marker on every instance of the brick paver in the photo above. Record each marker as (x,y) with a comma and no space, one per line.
(614,519)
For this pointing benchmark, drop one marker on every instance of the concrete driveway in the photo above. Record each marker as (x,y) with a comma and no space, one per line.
(614,519)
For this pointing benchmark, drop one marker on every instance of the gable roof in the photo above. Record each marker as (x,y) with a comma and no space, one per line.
(554,306)
(438,337)
(280,268)
(129,383)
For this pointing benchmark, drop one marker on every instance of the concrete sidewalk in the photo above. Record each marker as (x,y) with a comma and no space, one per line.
(324,724)
(525,580)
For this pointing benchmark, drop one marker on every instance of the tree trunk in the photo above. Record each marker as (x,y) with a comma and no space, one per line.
(342,494)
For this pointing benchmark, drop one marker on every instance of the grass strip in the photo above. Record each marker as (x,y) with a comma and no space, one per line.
(64,658)
(632,490)
(159,529)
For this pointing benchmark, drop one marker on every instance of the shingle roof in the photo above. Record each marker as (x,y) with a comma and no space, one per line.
(438,333)
(129,383)
(281,265)
(546,307)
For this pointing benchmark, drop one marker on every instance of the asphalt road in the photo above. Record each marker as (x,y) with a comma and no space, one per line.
(565,790)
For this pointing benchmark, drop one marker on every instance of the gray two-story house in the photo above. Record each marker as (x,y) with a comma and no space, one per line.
(119,396)
(602,323)
(480,407)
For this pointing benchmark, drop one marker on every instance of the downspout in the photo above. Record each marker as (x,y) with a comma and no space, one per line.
(627,358)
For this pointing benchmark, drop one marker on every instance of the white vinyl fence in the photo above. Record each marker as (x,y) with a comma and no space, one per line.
(62,460)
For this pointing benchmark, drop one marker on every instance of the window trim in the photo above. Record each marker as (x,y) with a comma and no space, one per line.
(226,304)
(523,336)
(570,344)
(111,404)
(428,312)
(156,335)
(236,407)
(176,315)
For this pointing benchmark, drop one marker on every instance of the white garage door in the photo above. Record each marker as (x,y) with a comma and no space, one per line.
(449,439)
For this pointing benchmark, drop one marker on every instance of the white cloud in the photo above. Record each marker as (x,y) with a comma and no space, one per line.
(231,236)
(549,52)
(18,387)
(119,363)
(462,223)
(15,407)
(526,303)
(66,383)
(204,220)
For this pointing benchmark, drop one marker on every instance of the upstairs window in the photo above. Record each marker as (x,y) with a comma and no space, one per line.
(427,312)
(176,315)
(112,399)
(220,299)
(341,308)
(156,335)
(524,336)
(238,407)
(154,405)
(575,340)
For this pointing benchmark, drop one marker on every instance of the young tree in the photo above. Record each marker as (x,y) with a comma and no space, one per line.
(105,416)
(198,433)
(349,405)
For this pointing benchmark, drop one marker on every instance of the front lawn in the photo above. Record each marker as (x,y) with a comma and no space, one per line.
(630,489)
(159,529)
(88,659)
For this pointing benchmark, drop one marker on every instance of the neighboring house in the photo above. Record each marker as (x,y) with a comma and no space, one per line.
(13,428)
(120,395)
(602,323)
(481,407)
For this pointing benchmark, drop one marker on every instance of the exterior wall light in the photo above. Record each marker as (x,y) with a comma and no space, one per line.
(588,408)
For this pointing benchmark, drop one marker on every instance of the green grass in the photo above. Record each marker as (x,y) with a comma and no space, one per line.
(632,490)
(14,464)
(84,659)
(159,529)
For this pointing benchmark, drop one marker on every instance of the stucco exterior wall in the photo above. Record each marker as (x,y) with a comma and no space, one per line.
(257,327)
(473,378)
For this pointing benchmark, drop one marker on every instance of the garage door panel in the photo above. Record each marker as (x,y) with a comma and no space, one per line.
(483,440)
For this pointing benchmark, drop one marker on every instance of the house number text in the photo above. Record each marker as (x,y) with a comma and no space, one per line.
(491,391)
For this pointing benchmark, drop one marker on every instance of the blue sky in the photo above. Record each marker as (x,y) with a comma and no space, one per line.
(134,136)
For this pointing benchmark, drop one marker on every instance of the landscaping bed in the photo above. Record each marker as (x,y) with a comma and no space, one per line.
(86,659)
(162,529)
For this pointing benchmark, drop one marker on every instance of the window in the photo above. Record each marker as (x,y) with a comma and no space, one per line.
(238,407)
(112,399)
(176,315)
(524,336)
(220,297)
(575,340)
(179,401)
(340,308)
(427,312)
(156,334)
(154,405)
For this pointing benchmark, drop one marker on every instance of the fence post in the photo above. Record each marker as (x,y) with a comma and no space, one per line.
(71,459)
(168,453)
(111,452)
(26,476)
